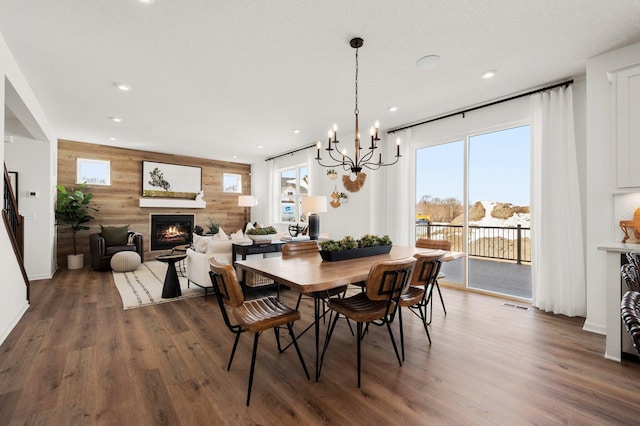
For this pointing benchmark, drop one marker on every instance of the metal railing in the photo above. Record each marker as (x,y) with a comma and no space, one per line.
(495,242)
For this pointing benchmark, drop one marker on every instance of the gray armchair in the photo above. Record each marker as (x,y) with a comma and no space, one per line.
(101,254)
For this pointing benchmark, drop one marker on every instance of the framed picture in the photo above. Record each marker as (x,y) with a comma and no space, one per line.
(231,183)
(93,172)
(13,181)
(166,180)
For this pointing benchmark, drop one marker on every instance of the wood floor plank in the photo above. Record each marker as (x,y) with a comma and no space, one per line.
(77,357)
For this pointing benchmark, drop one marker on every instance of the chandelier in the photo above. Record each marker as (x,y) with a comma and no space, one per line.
(359,160)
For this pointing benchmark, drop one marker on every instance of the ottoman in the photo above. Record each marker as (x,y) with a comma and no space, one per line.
(125,261)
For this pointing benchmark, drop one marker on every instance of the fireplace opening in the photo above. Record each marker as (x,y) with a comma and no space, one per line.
(168,231)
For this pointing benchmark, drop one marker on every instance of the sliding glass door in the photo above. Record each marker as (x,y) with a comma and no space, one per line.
(488,177)
(439,200)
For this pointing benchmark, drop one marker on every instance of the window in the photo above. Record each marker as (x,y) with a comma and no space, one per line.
(294,184)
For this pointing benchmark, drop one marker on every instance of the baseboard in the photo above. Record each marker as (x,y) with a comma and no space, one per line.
(595,328)
(11,326)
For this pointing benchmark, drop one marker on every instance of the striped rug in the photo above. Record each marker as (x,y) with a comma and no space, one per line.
(143,287)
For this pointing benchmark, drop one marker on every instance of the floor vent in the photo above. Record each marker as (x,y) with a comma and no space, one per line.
(511,305)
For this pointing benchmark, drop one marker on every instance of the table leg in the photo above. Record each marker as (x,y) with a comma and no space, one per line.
(171,286)
(316,308)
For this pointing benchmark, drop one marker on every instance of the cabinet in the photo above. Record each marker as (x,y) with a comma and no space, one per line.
(626,92)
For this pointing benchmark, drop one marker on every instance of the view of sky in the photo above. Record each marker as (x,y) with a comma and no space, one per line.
(499,168)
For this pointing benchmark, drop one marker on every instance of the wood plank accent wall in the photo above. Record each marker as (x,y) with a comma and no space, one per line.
(118,203)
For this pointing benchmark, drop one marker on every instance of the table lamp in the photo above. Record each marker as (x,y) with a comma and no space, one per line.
(247,201)
(312,206)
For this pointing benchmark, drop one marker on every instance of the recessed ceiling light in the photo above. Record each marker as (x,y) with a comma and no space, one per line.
(296,131)
(428,62)
(146,1)
(235,156)
(123,87)
(113,139)
(489,74)
(259,146)
(116,119)
(392,109)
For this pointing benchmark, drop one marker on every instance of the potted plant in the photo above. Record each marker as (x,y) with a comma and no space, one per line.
(72,209)
(350,248)
(214,227)
(262,234)
(332,174)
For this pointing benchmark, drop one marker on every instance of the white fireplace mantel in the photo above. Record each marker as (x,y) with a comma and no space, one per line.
(173,203)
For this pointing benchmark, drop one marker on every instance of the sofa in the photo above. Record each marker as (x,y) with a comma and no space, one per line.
(204,248)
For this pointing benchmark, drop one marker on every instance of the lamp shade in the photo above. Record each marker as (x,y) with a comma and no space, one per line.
(314,204)
(247,201)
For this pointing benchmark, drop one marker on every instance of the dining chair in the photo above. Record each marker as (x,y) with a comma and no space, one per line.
(630,276)
(417,295)
(630,312)
(432,243)
(290,250)
(253,316)
(376,305)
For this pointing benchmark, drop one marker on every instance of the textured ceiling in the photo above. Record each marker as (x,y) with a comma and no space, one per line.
(215,79)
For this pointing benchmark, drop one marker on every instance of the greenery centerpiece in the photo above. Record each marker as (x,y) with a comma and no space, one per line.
(262,234)
(350,248)
(72,209)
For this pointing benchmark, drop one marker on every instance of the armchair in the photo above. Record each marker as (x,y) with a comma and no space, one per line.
(101,253)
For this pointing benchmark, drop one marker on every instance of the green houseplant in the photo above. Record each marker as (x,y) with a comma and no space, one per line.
(72,210)
(349,248)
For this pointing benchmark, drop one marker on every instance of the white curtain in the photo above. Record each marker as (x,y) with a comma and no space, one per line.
(558,275)
(397,184)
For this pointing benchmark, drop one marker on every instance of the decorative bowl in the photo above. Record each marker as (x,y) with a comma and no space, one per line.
(262,238)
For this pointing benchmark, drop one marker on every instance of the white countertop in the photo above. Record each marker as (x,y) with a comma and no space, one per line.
(620,247)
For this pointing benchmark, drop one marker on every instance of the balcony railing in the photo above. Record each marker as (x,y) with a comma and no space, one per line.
(508,243)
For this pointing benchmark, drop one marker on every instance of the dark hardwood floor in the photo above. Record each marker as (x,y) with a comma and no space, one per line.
(77,357)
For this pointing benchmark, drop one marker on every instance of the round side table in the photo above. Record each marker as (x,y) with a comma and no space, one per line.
(171,286)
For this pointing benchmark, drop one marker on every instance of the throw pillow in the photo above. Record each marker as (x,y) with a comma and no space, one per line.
(220,236)
(115,235)
(238,235)
(200,243)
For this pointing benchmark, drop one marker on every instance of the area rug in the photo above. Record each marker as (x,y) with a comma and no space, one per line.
(143,287)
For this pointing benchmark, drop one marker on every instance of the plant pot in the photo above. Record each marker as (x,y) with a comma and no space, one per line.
(262,238)
(333,256)
(75,261)
(332,176)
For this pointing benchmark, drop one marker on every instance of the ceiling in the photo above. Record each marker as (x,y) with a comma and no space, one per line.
(232,80)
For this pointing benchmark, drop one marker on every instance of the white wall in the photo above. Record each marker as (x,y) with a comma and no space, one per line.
(13,302)
(601,177)
(33,176)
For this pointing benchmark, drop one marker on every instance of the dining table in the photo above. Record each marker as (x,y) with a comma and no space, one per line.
(308,273)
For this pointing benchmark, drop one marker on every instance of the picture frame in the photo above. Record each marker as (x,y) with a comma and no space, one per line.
(165,180)
(232,183)
(13,181)
(93,172)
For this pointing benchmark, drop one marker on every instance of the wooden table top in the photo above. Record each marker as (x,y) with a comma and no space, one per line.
(308,273)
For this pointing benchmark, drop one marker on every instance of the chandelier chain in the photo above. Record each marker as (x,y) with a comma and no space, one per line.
(356,111)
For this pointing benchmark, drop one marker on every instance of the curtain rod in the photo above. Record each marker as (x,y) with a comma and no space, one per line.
(464,111)
(291,152)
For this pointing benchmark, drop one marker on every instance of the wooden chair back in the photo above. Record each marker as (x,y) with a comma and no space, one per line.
(426,269)
(431,243)
(225,283)
(388,278)
(295,249)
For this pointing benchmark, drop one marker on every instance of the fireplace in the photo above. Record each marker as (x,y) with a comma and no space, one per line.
(168,231)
